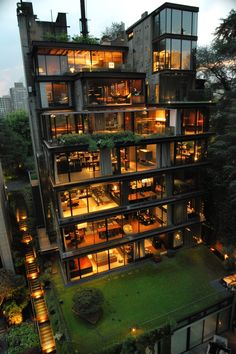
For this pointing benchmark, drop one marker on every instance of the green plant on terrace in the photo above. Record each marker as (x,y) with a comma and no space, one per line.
(60,37)
(99,140)
(85,40)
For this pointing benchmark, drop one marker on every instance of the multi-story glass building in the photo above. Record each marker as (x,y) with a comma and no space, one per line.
(120,138)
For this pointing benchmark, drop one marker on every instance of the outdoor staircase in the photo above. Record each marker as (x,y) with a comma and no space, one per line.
(47,341)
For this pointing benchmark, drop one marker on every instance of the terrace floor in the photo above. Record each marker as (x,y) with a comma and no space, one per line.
(145,296)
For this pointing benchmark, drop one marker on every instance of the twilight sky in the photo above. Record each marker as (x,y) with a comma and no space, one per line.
(101,13)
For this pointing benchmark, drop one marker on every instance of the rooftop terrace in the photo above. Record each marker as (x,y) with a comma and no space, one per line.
(146,297)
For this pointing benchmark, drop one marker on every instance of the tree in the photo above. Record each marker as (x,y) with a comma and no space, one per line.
(221,204)
(15,143)
(22,338)
(217,62)
(10,284)
(87,303)
(116,30)
(219,66)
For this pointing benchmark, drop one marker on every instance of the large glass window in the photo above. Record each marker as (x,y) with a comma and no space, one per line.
(187,21)
(114,91)
(73,61)
(54,94)
(196,332)
(42,65)
(186,55)
(194,24)
(185,181)
(163,21)
(156,25)
(176,21)
(77,166)
(152,122)
(94,198)
(168,20)
(175,54)
(223,320)
(210,327)
(146,189)
(179,341)
(88,233)
(192,121)
(53,65)
(139,158)
(106,60)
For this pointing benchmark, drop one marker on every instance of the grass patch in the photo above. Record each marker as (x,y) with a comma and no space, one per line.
(147,297)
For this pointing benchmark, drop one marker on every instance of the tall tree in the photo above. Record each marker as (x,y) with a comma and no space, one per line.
(220,68)
(217,62)
(15,143)
(116,30)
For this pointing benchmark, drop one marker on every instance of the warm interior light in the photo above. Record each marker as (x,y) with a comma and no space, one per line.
(72,69)
(160,119)
(226,256)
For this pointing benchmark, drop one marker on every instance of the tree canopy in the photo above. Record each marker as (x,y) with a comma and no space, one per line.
(116,30)
(221,180)
(217,62)
(15,143)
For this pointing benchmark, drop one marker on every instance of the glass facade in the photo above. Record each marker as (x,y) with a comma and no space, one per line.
(174,21)
(113,91)
(72,61)
(99,262)
(55,94)
(89,233)
(199,332)
(174,54)
(154,122)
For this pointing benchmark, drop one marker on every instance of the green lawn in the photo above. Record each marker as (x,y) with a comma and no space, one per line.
(146,296)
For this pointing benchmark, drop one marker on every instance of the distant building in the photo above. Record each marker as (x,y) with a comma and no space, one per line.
(5,105)
(5,235)
(19,97)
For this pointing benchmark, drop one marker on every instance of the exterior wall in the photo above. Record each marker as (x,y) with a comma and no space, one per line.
(5,238)
(142,43)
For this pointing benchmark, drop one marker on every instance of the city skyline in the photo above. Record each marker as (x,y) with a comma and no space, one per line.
(11,68)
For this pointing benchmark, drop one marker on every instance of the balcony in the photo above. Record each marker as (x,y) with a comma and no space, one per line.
(199,95)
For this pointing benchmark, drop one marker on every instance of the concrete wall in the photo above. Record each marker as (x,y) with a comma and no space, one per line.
(5,236)
(141,44)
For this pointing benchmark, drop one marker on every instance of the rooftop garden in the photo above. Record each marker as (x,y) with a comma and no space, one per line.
(144,298)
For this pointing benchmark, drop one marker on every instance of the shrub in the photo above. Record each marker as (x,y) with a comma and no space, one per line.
(87,303)
(21,338)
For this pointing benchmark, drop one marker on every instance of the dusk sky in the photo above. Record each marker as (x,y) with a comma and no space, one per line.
(101,13)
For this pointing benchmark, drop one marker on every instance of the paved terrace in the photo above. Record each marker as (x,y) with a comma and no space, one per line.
(147,297)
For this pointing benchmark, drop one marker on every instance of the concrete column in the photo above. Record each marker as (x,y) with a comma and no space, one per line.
(105,163)
(55,169)
(178,122)
(166,155)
